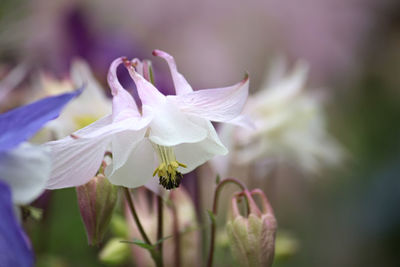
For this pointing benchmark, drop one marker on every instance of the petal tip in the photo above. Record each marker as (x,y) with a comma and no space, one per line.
(246,77)
(126,61)
(162,54)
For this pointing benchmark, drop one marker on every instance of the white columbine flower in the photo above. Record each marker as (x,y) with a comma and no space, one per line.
(167,136)
(91,105)
(290,126)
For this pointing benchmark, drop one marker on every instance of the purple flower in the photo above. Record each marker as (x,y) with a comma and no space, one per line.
(24,171)
(14,246)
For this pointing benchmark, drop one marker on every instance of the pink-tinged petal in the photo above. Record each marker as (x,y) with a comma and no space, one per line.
(149,95)
(180,83)
(138,169)
(75,161)
(170,127)
(138,65)
(77,158)
(122,99)
(106,126)
(193,155)
(219,104)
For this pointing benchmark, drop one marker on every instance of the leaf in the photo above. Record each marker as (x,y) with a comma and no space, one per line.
(163,239)
(211,215)
(140,243)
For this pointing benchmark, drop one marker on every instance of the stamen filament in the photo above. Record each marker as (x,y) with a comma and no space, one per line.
(167,171)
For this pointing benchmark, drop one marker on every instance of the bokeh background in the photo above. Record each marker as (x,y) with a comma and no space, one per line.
(348,215)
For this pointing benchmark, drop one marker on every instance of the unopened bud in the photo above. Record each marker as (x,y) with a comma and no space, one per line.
(252,238)
(96,201)
(115,252)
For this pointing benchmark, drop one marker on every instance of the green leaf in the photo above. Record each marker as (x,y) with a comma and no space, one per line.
(140,243)
(211,215)
(163,239)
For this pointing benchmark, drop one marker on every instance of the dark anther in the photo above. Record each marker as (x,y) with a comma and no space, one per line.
(169,183)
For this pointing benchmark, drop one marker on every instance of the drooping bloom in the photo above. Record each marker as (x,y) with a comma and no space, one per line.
(167,136)
(24,171)
(290,126)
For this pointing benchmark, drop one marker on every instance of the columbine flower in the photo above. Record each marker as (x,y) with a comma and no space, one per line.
(290,125)
(91,105)
(174,130)
(24,171)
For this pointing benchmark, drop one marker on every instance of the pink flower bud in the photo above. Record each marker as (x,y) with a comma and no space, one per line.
(252,237)
(96,201)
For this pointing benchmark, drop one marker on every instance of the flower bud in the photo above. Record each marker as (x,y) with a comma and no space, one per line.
(252,238)
(96,201)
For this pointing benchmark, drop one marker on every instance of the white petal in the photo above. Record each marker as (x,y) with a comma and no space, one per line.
(149,95)
(153,185)
(193,155)
(82,76)
(122,145)
(180,83)
(138,169)
(75,161)
(106,126)
(286,88)
(26,170)
(219,104)
(170,127)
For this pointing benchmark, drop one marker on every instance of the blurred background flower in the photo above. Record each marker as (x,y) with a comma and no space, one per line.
(352,48)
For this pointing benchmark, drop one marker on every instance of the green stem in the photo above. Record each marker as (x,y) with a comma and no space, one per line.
(154,253)
(135,216)
(214,210)
(160,225)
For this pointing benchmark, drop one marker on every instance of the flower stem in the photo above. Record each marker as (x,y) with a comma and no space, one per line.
(214,211)
(154,254)
(160,225)
(135,216)
(175,230)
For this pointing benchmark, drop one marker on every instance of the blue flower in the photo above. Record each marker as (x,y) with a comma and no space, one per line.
(24,171)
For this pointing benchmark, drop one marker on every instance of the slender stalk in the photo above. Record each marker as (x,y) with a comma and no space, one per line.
(135,216)
(154,253)
(160,225)
(214,211)
(177,238)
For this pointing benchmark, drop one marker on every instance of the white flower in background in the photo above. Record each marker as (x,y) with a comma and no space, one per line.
(290,126)
(91,105)
(168,136)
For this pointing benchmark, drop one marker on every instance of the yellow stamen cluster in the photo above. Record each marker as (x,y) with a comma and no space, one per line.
(167,171)
(84,120)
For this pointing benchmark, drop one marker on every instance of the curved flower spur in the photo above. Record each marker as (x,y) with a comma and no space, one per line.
(176,128)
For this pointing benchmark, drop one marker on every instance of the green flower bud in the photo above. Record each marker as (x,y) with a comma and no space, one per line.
(115,252)
(252,238)
(96,201)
